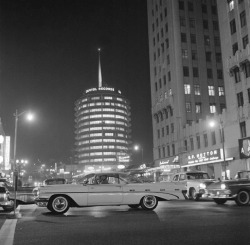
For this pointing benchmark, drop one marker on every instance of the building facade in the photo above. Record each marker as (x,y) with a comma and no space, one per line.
(234,20)
(5,165)
(186,72)
(103,129)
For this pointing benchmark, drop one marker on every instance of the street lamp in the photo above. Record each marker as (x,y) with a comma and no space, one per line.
(214,123)
(137,148)
(29,117)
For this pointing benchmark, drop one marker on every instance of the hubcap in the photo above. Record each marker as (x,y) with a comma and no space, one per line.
(60,203)
(149,201)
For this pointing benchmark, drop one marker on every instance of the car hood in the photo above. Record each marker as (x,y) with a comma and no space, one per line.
(217,184)
(202,180)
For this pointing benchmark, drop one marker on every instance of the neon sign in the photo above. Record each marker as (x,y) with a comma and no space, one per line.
(207,156)
(100,89)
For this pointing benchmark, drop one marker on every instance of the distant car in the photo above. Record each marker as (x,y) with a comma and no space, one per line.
(237,190)
(55,181)
(191,183)
(104,189)
(24,195)
(5,202)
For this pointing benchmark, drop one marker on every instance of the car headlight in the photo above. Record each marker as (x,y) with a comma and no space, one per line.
(223,186)
(36,192)
(203,186)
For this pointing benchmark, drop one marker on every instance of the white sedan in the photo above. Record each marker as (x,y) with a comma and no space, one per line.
(104,189)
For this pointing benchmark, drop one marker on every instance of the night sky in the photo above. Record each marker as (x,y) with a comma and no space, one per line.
(48,57)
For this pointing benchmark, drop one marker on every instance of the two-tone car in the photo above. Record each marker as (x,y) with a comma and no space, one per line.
(237,190)
(104,189)
(191,183)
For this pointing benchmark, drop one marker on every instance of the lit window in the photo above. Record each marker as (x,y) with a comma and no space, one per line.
(95,140)
(221,91)
(198,108)
(108,115)
(197,90)
(109,140)
(96,135)
(211,91)
(95,116)
(94,110)
(108,98)
(109,134)
(95,98)
(108,109)
(231,5)
(121,117)
(95,153)
(109,121)
(187,89)
(212,108)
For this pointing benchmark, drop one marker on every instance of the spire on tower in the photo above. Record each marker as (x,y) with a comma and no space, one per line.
(99,70)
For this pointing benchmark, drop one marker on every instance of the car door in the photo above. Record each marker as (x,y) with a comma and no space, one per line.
(106,194)
(181,184)
(178,185)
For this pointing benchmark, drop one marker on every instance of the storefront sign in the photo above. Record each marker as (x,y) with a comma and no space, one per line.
(168,168)
(207,156)
(244,148)
(170,160)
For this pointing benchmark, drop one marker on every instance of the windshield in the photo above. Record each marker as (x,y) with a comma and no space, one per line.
(245,174)
(197,176)
(130,178)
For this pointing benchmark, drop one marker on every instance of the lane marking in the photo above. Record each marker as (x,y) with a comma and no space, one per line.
(7,232)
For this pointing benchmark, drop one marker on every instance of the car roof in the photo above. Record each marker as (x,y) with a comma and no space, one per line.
(192,172)
(107,173)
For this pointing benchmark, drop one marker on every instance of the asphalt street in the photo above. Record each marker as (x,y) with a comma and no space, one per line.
(173,222)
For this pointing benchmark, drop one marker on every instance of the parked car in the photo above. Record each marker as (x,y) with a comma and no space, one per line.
(192,183)
(24,195)
(237,190)
(104,189)
(4,197)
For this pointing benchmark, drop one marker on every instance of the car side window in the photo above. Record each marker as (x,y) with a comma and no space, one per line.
(176,177)
(113,180)
(182,177)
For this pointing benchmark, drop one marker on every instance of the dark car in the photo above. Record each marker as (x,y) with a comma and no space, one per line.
(237,190)
(24,195)
(4,197)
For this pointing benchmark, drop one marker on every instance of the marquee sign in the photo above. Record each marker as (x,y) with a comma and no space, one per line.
(206,157)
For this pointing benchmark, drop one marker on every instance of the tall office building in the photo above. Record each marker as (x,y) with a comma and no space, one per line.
(234,19)
(186,71)
(103,128)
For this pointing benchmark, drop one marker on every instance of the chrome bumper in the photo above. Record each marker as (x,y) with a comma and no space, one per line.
(6,203)
(222,196)
(41,202)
